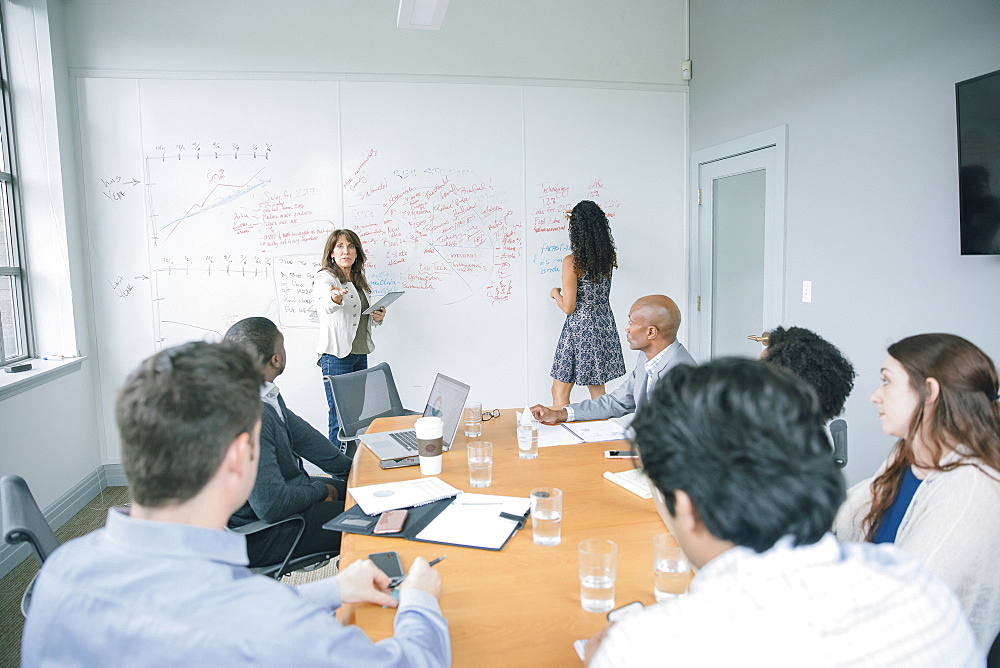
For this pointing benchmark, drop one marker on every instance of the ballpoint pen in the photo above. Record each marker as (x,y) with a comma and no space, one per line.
(396,581)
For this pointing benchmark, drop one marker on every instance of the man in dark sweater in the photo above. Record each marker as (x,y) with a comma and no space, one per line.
(283,488)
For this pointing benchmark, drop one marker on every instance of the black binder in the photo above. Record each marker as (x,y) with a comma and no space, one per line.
(356,521)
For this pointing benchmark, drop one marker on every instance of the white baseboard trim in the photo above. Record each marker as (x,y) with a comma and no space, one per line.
(114,476)
(60,512)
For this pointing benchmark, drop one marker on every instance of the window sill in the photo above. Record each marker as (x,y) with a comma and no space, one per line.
(41,372)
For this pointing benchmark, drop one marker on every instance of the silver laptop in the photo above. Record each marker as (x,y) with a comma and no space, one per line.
(446,400)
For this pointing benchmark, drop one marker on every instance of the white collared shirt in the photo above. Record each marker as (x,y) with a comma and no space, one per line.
(826,604)
(652,366)
(269,394)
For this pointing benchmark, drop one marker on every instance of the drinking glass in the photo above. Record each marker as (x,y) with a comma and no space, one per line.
(480,457)
(527,440)
(473,417)
(546,515)
(671,569)
(598,568)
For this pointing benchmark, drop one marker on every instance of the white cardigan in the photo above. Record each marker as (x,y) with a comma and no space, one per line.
(338,323)
(952,525)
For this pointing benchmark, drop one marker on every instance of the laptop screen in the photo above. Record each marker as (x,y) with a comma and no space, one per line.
(447,400)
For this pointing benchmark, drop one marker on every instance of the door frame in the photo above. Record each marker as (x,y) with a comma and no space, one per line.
(701,251)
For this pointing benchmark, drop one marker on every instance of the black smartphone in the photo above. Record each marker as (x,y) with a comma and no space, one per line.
(399,463)
(620,454)
(626,610)
(388,563)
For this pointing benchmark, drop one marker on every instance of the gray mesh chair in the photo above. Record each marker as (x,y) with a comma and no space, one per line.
(361,397)
(838,429)
(23,522)
(289,564)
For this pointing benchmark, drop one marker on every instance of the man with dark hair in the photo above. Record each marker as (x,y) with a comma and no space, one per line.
(652,327)
(816,361)
(164,583)
(744,480)
(283,487)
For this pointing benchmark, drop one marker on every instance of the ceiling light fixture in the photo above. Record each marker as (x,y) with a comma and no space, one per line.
(421,14)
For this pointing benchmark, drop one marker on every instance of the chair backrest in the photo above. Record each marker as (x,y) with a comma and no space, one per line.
(362,396)
(838,430)
(22,520)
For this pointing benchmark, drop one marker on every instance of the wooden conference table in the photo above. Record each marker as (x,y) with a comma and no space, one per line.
(520,605)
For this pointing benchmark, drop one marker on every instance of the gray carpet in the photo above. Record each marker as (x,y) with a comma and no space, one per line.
(91,517)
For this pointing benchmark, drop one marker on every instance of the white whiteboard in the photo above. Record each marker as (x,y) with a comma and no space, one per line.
(209,201)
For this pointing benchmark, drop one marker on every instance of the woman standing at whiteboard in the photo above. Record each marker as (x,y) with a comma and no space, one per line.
(340,292)
(589,351)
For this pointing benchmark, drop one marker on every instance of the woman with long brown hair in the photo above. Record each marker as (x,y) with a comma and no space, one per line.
(937,496)
(340,292)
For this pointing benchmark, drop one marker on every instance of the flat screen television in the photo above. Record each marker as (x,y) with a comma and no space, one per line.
(978,105)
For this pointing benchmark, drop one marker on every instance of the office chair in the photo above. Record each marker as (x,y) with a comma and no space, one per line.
(838,430)
(361,397)
(289,564)
(24,522)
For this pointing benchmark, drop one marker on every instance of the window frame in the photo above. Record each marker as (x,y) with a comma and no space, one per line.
(12,226)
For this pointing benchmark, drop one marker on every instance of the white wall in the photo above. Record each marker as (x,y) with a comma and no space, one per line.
(573,42)
(49,434)
(867,90)
(581,40)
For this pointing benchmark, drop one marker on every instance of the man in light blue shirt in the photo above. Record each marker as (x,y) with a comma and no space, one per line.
(652,327)
(164,583)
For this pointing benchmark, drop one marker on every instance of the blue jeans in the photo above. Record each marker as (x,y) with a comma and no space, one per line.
(335,366)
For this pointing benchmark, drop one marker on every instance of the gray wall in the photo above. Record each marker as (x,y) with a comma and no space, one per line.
(867,91)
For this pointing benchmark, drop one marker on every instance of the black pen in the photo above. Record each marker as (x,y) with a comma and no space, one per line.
(398,580)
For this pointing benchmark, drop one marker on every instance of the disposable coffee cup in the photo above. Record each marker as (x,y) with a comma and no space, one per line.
(430,444)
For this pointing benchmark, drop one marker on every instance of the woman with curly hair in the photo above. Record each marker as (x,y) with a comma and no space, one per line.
(589,351)
(937,496)
(340,292)
(816,361)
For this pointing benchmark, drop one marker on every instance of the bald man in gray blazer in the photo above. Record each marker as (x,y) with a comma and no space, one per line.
(652,327)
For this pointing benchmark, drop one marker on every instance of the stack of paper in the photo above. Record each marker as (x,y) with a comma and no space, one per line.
(376,499)
(597,430)
(571,433)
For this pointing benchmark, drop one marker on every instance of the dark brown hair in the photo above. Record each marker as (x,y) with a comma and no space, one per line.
(178,413)
(966,413)
(357,269)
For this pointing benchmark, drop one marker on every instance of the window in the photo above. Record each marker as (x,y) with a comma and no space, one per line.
(13,312)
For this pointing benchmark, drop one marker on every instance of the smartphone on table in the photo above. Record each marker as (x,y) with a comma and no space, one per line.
(391,521)
(389,563)
(620,454)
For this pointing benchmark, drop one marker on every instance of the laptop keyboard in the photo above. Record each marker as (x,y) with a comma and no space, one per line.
(407,439)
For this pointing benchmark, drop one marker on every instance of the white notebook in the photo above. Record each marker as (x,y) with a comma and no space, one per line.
(634,480)
(376,499)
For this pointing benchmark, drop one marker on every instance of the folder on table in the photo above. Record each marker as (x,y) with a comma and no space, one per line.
(482,521)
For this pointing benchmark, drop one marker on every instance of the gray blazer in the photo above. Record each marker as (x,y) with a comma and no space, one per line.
(632,393)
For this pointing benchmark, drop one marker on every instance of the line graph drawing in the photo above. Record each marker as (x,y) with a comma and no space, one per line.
(201,207)
(240,239)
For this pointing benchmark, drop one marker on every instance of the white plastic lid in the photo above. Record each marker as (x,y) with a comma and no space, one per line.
(429,427)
